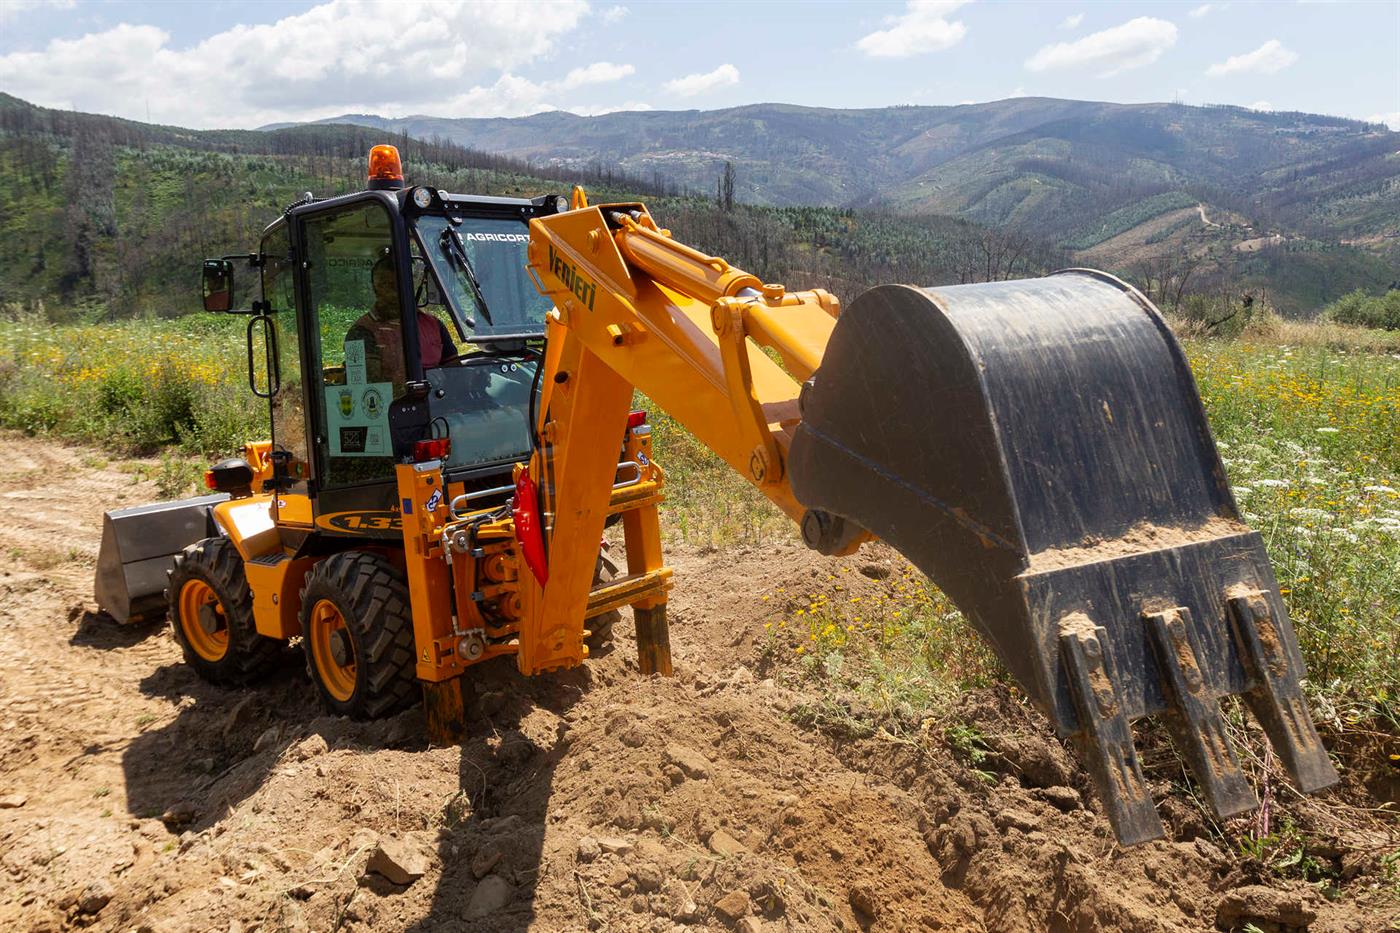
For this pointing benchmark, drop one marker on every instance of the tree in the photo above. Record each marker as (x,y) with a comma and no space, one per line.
(724,188)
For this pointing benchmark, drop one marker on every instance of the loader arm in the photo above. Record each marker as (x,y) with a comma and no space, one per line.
(1037,448)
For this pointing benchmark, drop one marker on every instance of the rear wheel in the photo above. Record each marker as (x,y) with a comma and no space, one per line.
(211,613)
(357,632)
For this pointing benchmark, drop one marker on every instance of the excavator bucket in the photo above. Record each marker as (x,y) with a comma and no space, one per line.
(1039,450)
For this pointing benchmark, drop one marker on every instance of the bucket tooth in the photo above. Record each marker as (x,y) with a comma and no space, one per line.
(1275,696)
(1193,714)
(1106,739)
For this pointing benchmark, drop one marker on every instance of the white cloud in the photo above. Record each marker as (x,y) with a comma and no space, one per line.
(1391,119)
(1136,43)
(1201,10)
(923,27)
(1271,57)
(1072,22)
(691,85)
(13,9)
(596,73)
(332,58)
(614,14)
(1262,105)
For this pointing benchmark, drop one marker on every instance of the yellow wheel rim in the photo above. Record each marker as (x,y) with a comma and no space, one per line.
(328,630)
(199,606)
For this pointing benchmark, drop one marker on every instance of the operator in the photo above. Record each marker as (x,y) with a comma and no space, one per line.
(380,331)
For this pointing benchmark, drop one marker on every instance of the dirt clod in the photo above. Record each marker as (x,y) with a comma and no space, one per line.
(721,843)
(588,849)
(310,747)
(486,860)
(614,845)
(679,904)
(95,896)
(1269,909)
(1017,819)
(491,894)
(180,814)
(399,860)
(693,764)
(864,901)
(13,801)
(1066,799)
(733,905)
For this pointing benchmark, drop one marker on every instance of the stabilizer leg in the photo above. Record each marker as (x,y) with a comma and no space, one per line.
(653,640)
(444,712)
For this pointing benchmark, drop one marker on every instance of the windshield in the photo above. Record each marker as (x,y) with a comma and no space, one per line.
(494,249)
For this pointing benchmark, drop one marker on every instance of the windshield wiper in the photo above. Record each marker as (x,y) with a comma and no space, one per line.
(451,244)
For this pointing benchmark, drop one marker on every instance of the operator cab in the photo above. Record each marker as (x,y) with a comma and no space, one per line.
(397,324)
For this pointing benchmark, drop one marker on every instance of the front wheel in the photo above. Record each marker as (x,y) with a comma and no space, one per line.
(357,632)
(211,613)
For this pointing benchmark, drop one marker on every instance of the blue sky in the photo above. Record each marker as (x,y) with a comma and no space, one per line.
(243,64)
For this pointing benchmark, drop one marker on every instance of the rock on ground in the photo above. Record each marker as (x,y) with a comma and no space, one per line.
(399,860)
(492,893)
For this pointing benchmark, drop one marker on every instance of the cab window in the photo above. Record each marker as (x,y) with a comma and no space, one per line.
(354,311)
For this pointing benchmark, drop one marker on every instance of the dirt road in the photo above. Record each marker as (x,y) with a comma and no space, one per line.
(137,797)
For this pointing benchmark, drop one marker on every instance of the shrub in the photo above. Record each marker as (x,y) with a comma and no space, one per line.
(1359,308)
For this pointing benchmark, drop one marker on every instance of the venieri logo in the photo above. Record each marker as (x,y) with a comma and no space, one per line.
(583,289)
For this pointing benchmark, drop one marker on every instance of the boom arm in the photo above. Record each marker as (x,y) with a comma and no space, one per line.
(688,330)
(1037,448)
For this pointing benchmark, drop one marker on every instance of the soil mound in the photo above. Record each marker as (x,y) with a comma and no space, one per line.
(133,796)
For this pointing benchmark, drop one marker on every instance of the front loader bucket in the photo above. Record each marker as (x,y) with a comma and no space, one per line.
(1038,449)
(139,545)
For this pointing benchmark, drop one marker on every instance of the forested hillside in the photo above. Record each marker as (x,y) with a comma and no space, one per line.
(113,216)
(1293,204)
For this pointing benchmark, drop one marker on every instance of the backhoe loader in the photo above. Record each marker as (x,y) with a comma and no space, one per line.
(1036,447)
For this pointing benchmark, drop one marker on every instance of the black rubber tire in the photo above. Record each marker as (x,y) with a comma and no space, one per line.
(372,596)
(216,562)
(600,627)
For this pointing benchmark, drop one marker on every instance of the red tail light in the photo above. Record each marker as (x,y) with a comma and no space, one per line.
(435,449)
(528,530)
(635,419)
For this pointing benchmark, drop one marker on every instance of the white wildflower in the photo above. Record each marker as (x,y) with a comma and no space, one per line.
(1271,483)
(1380,489)
(1329,430)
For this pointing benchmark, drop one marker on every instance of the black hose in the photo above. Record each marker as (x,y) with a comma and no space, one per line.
(534,392)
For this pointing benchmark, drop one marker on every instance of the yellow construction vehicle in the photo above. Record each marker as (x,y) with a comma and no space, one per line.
(1036,447)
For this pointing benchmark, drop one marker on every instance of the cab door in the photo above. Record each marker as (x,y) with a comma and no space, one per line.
(290,452)
(357,362)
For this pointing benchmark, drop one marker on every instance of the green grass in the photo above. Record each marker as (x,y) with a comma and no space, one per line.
(1310,437)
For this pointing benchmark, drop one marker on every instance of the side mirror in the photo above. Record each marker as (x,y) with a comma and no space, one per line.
(218,285)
